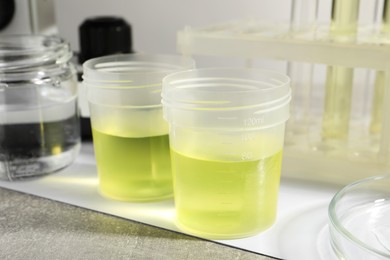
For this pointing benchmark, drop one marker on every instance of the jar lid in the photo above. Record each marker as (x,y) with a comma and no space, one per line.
(24,55)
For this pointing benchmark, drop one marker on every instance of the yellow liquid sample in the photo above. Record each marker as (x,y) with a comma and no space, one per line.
(133,169)
(225,200)
(339,79)
(337,103)
(379,88)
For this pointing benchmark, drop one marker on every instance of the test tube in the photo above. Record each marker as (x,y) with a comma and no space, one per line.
(379,85)
(303,15)
(339,79)
(303,23)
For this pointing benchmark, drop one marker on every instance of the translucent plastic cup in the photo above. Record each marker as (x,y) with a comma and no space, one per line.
(130,136)
(226,140)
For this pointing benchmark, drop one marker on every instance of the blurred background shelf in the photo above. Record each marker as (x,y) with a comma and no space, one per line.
(307,54)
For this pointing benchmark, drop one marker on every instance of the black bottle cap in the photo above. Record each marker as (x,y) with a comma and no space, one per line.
(104,35)
(7,10)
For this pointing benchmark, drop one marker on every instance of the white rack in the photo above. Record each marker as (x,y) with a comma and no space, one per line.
(306,156)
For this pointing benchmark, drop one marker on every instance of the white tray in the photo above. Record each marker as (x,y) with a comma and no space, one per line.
(300,231)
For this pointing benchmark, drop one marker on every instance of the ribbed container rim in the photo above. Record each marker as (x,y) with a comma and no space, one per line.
(28,51)
(124,70)
(28,57)
(226,93)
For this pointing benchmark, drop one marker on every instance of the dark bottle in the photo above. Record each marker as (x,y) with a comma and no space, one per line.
(7,11)
(100,36)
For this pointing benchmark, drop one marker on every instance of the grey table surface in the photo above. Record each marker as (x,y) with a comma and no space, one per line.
(36,228)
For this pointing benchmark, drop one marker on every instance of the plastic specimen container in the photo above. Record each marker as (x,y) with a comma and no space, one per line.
(130,135)
(226,139)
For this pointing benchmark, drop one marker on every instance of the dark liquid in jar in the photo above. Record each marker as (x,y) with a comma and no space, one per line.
(22,146)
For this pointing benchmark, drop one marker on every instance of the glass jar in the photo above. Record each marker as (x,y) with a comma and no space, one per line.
(39,124)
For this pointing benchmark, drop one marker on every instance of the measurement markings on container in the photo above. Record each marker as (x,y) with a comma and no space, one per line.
(253,121)
(225,140)
(247,137)
(227,117)
(245,156)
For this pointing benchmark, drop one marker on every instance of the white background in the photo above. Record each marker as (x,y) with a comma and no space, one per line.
(155,23)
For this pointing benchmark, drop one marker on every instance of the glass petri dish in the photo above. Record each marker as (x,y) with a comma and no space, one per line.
(359,220)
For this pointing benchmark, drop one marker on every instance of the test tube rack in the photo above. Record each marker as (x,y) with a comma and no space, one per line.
(307,53)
